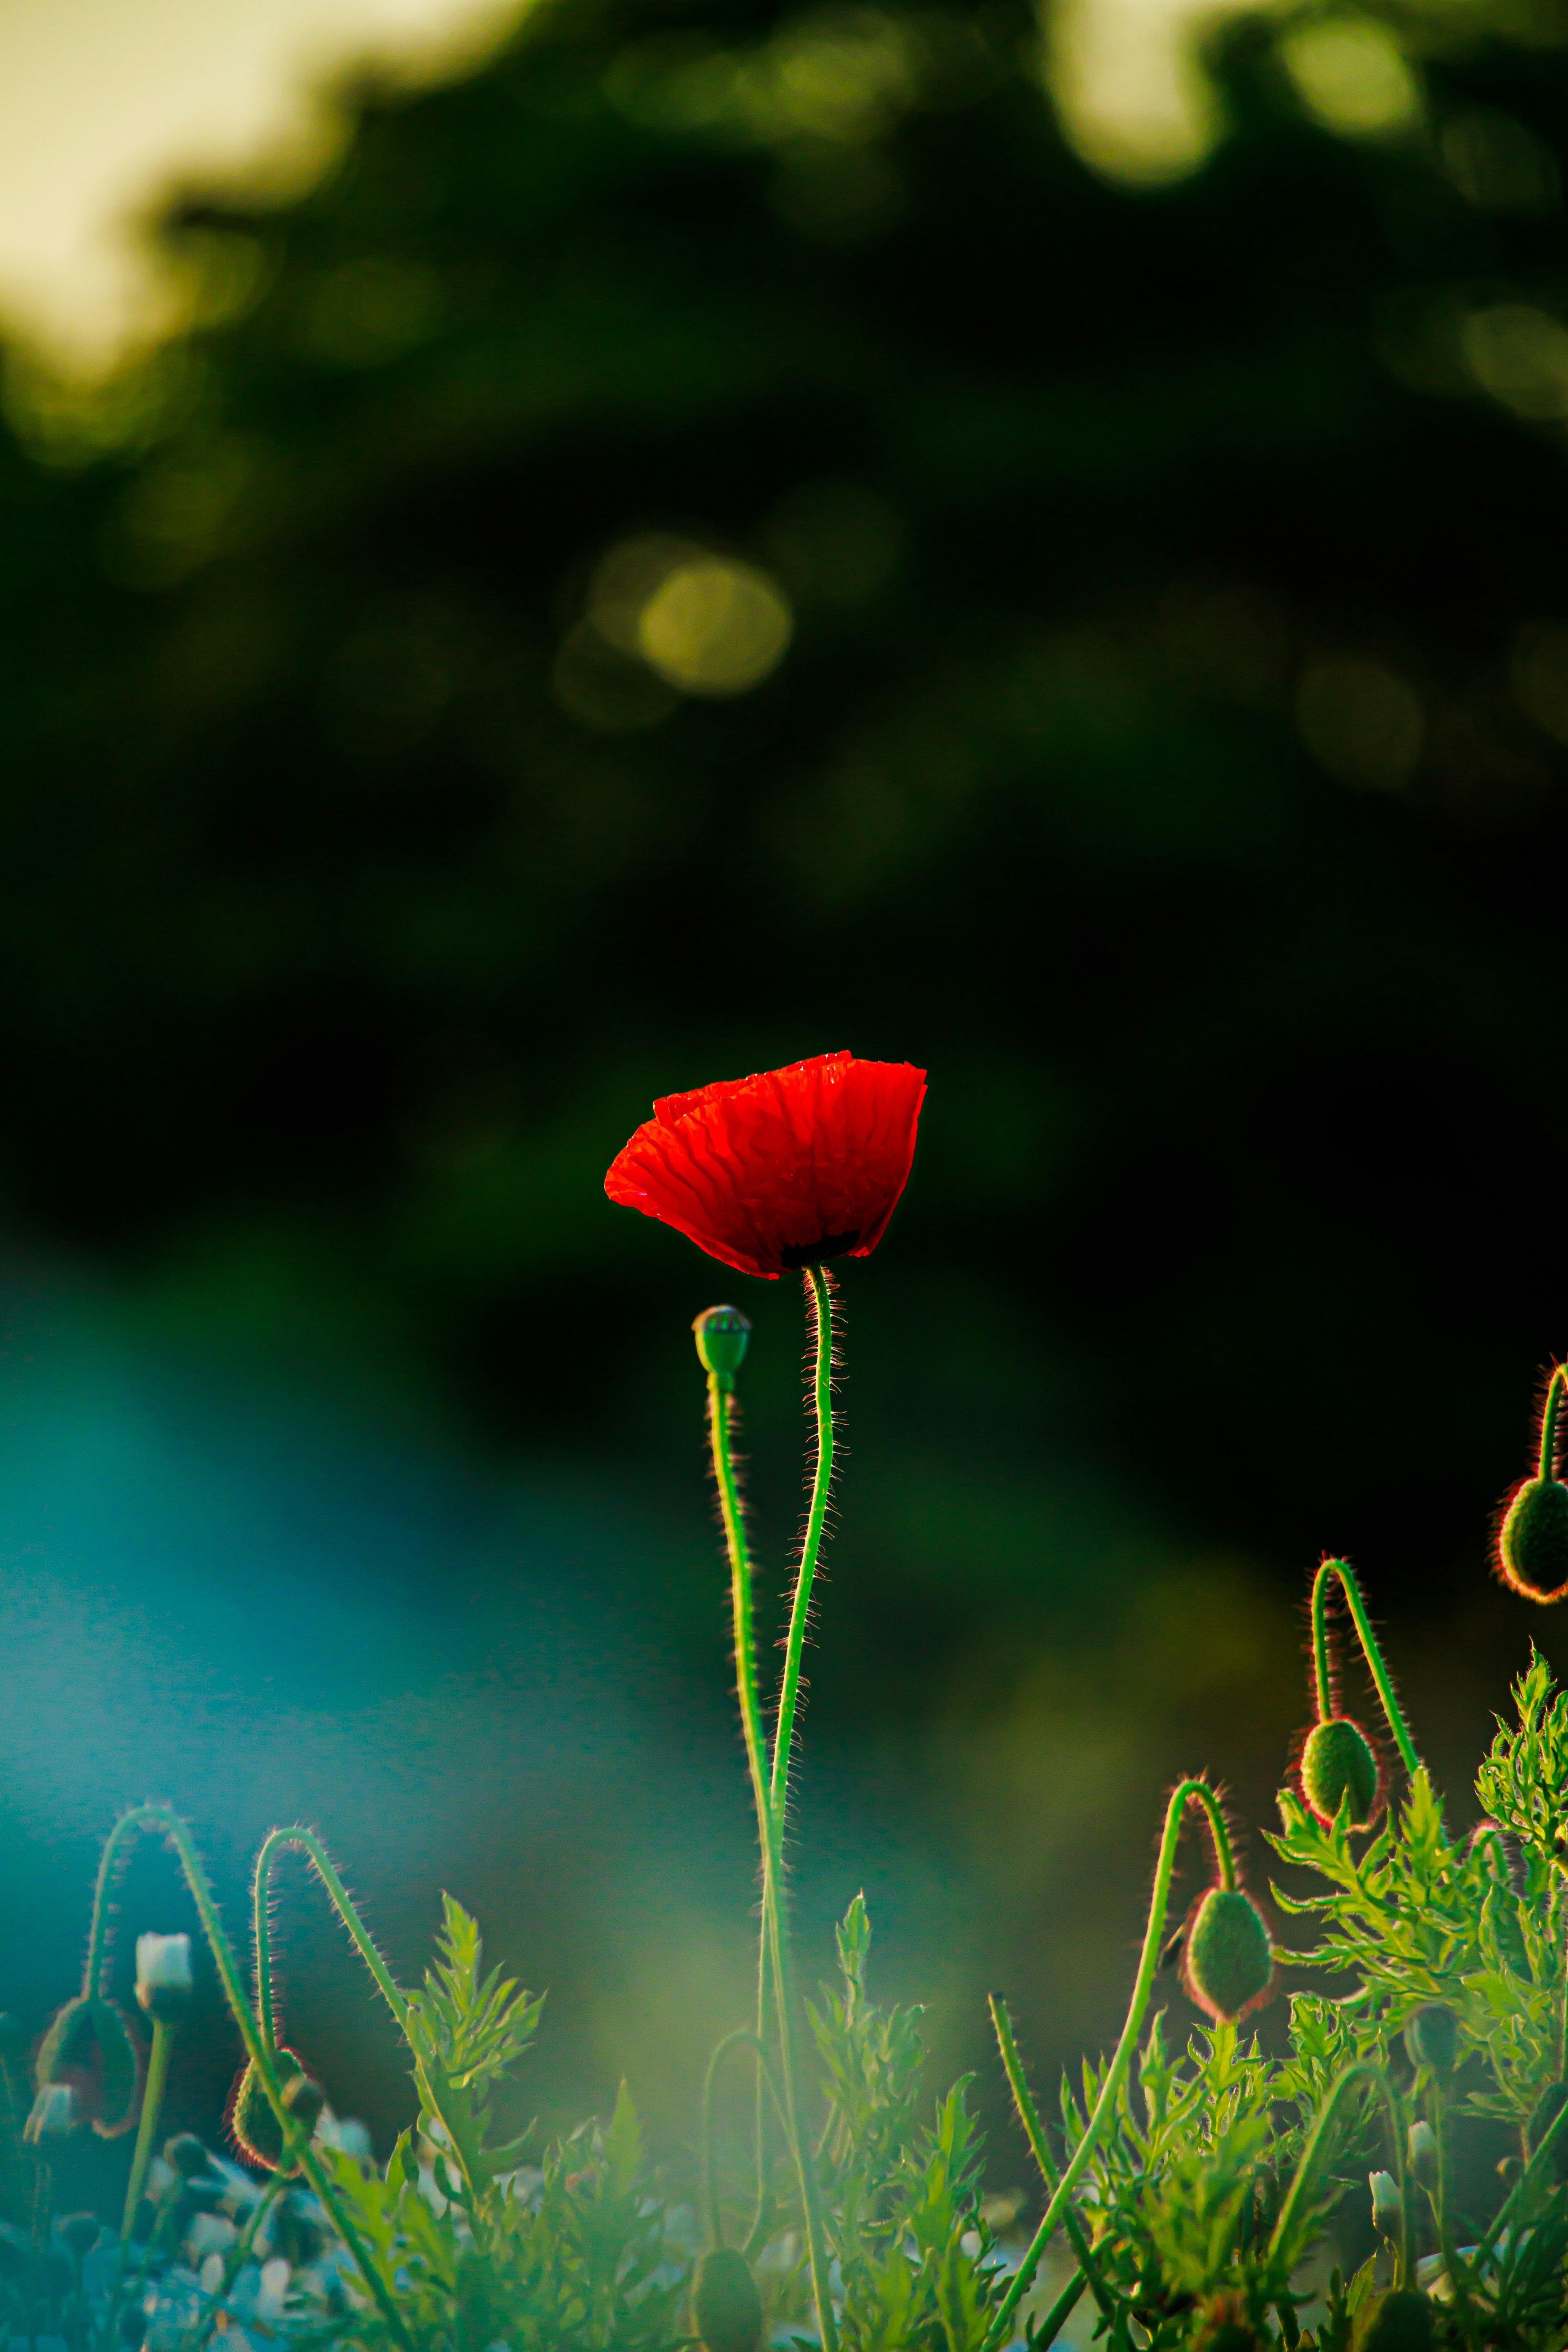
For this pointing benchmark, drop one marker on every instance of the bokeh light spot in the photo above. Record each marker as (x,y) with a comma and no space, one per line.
(1519,355)
(715,626)
(1353,75)
(1499,166)
(1361,721)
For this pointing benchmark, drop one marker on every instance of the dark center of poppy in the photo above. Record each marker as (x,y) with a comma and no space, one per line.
(814,1252)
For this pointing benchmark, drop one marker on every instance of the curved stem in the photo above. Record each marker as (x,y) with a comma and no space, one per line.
(280,1842)
(152,2104)
(130,1826)
(1342,1571)
(1549,1412)
(1186,1791)
(742,2037)
(775,1929)
(1034,2132)
(295,2145)
(819,1294)
(1361,2071)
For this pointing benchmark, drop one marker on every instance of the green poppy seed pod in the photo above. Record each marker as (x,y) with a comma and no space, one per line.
(722,1336)
(726,2309)
(89,2046)
(1337,1762)
(1387,2212)
(1532,1542)
(304,2097)
(80,2232)
(1229,1966)
(1544,2114)
(1432,2037)
(187,2155)
(254,2129)
(1403,2322)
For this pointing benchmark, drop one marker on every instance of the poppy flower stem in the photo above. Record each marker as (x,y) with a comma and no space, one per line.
(1186,1792)
(819,1299)
(298,1838)
(1342,1572)
(152,2106)
(769,1833)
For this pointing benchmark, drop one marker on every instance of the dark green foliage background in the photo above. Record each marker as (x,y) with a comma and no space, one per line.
(337,954)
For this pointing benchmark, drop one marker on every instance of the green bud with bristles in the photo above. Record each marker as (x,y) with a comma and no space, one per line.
(1403,2322)
(89,2047)
(1229,1964)
(1337,1760)
(255,2129)
(1432,2037)
(1532,1542)
(726,2308)
(722,1334)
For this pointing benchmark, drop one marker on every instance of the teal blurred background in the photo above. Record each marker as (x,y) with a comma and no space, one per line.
(716,533)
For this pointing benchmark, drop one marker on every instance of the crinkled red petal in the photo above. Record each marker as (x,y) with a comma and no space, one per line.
(776,1171)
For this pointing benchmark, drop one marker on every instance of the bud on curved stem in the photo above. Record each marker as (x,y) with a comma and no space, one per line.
(1186,1792)
(1342,1572)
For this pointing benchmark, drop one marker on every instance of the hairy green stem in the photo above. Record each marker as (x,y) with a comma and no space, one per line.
(1061,2312)
(152,2104)
(1034,2132)
(1306,2169)
(1341,1570)
(1549,1412)
(167,1823)
(280,1842)
(819,1295)
(769,1833)
(1186,1792)
(741,2038)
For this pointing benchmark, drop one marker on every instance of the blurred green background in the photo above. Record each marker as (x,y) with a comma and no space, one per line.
(722,533)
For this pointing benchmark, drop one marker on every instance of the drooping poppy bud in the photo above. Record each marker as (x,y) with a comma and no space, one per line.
(1387,2211)
(722,1334)
(1229,1965)
(1532,1542)
(1337,1762)
(304,2097)
(1403,2322)
(89,2046)
(54,2114)
(252,2124)
(1432,2037)
(726,2308)
(164,1982)
(1544,2114)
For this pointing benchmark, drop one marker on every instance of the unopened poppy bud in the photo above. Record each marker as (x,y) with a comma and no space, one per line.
(1432,2037)
(256,2131)
(1229,1965)
(1421,2153)
(726,2308)
(89,2047)
(304,2098)
(163,1984)
(1337,1762)
(1532,1542)
(722,1336)
(80,2232)
(1387,2212)
(54,2115)
(187,2155)
(1403,2322)
(1547,2110)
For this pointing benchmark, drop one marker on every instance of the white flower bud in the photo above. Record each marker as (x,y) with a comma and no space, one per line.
(1421,2153)
(1387,2213)
(164,1983)
(54,2115)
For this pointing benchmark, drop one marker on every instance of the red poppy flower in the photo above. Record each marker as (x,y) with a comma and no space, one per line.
(781,1171)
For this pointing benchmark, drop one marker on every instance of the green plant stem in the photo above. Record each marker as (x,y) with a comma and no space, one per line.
(741,2038)
(151,2104)
(1438,2116)
(769,1833)
(160,1818)
(1342,1571)
(1061,2312)
(1034,2132)
(280,1842)
(1549,1412)
(1185,1794)
(1361,2071)
(819,1294)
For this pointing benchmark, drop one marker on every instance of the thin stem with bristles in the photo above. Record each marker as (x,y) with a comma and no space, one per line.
(1034,2132)
(152,2104)
(279,1841)
(1549,1414)
(1307,2170)
(819,1295)
(1186,1793)
(1341,1570)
